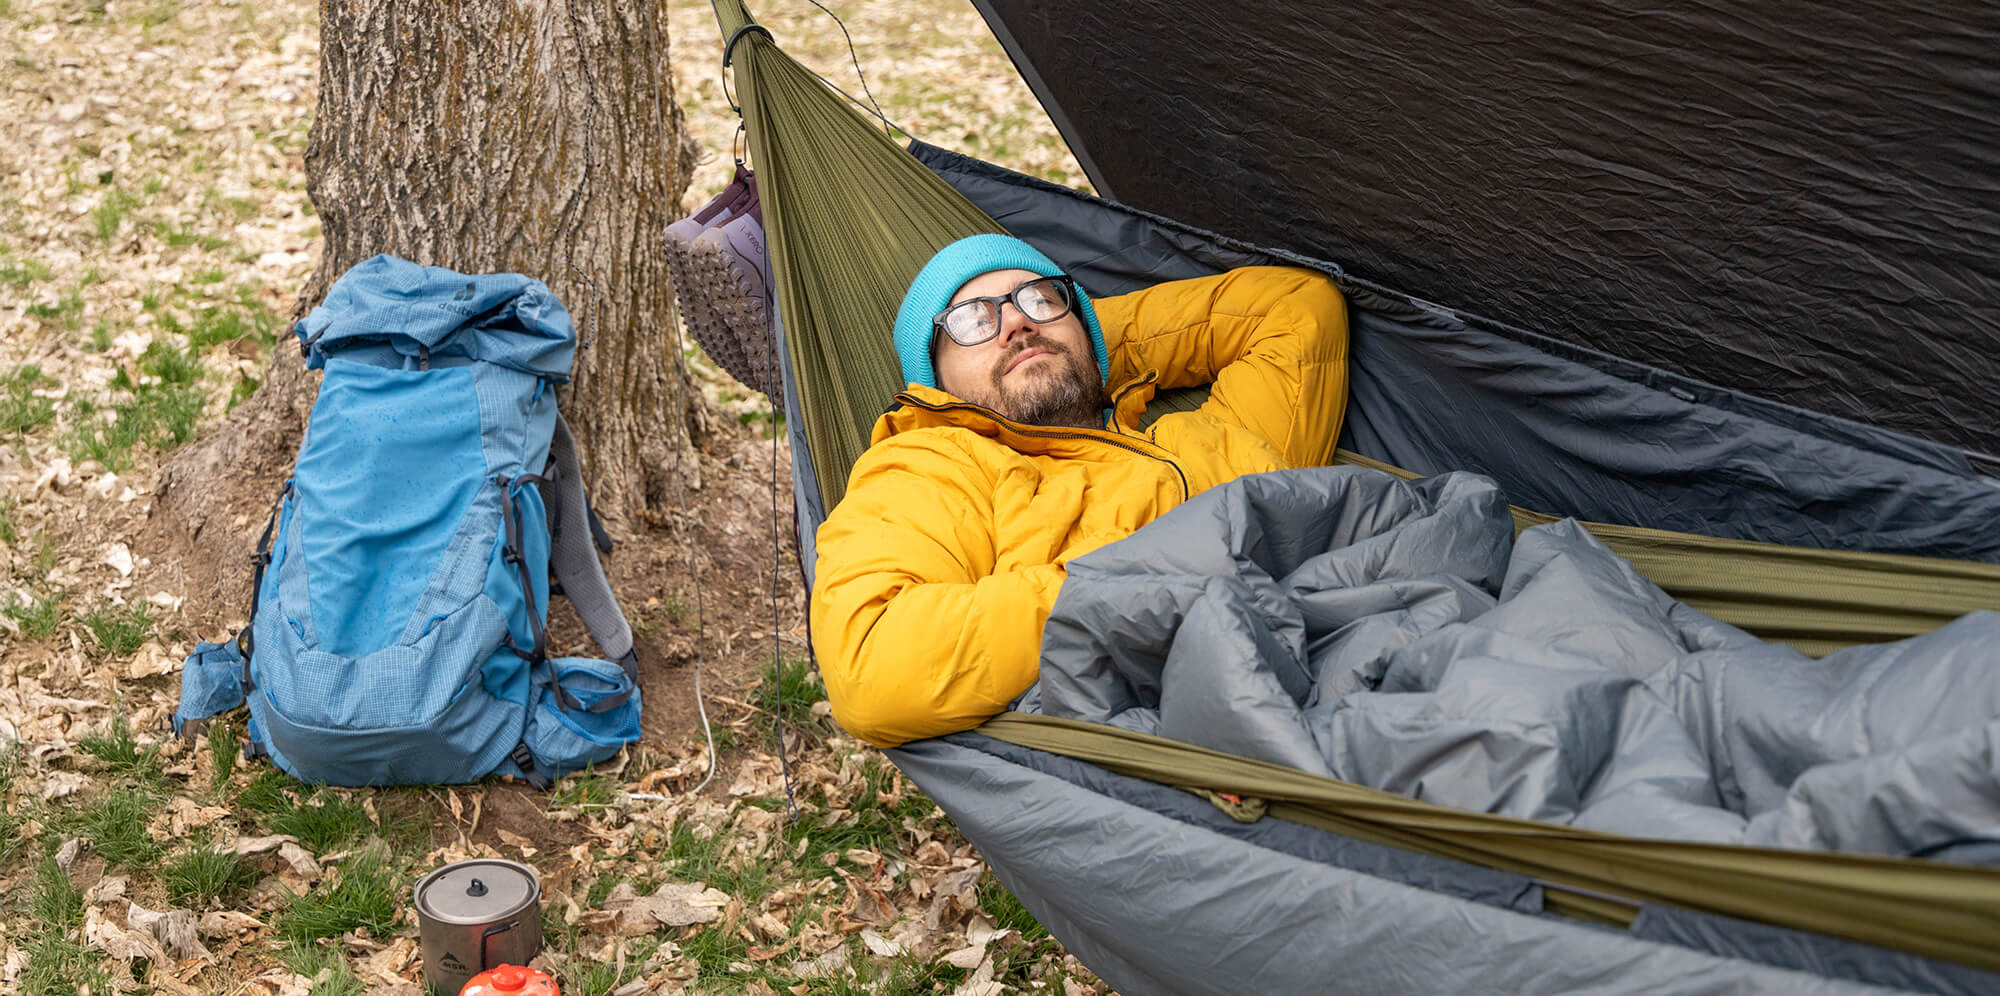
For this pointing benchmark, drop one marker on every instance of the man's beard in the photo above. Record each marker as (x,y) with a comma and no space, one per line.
(1070,394)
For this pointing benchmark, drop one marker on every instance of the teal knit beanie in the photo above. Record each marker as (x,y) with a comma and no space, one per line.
(947,272)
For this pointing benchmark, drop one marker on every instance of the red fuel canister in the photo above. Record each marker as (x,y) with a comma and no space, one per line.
(510,980)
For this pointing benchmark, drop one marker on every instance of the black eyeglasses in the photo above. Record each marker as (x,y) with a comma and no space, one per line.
(1043,299)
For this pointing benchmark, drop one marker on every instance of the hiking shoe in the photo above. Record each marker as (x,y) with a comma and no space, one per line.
(731,267)
(719,208)
(697,313)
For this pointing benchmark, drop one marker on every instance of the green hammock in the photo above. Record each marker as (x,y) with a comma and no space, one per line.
(852,217)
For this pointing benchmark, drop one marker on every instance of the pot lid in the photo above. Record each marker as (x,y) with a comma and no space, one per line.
(477,891)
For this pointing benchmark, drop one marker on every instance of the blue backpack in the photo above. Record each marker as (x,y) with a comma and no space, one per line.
(396,634)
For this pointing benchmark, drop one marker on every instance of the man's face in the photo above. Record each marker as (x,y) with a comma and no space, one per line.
(1034,373)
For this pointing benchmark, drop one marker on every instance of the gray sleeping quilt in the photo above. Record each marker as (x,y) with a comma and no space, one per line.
(1397,634)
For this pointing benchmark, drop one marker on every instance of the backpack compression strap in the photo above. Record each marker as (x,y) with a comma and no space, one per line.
(573,560)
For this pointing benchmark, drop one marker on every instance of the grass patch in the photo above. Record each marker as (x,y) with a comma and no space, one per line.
(230,322)
(11,764)
(161,416)
(584,792)
(109,215)
(183,236)
(66,311)
(202,875)
(116,828)
(158,12)
(120,751)
(364,896)
(8,534)
(57,904)
(119,630)
(20,409)
(39,618)
(588,976)
(171,364)
(902,977)
(695,853)
(321,819)
(58,965)
(242,317)
(45,554)
(798,688)
(714,949)
(223,751)
(23,272)
(329,969)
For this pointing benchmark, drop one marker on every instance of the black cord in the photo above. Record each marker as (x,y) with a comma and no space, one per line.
(728,56)
(777,557)
(856,59)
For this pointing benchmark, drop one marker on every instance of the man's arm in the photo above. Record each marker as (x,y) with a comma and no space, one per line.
(915,633)
(1271,340)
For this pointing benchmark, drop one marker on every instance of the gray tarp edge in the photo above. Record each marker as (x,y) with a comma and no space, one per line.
(1113,881)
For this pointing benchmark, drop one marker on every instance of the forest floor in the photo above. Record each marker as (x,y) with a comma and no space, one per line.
(154,232)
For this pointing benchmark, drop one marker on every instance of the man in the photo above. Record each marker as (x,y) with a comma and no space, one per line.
(1007,457)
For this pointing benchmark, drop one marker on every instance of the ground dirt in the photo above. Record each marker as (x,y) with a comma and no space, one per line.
(154,232)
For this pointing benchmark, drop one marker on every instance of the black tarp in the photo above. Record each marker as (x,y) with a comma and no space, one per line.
(1799,201)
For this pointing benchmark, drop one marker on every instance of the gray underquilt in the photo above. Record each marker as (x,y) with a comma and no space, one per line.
(1396,634)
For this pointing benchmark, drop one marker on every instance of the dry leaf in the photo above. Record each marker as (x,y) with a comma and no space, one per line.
(675,904)
(867,905)
(184,814)
(227,923)
(824,965)
(967,958)
(107,889)
(385,969)
(526,846)
(246,846)
(880,946)
(300,859)
(57,784)
(121,944)
(176,930)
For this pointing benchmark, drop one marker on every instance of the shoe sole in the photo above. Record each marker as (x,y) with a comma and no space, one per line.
(735,327)
(697,314)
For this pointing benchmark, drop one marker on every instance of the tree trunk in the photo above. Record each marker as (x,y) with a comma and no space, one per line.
(535,136)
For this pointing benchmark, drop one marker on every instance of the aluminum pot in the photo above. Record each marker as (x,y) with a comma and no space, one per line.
(475,915)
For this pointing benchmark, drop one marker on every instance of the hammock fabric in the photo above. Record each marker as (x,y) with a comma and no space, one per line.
(852,217)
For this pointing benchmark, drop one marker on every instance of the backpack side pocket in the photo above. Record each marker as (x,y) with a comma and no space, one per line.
(568,736)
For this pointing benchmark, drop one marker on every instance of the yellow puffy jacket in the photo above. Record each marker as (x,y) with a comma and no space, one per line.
(939,567)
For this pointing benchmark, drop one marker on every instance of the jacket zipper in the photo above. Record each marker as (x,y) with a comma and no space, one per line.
(1044,433)
(1151,376)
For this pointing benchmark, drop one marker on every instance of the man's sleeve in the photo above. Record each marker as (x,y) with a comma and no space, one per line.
(915,634)
(1271,340)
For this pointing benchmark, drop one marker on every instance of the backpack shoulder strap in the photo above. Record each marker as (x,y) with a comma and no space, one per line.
(573,558)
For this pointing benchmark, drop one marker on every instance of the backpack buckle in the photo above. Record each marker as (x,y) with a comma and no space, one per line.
(524,759)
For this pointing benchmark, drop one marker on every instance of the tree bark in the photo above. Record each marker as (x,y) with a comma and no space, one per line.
(534,136)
